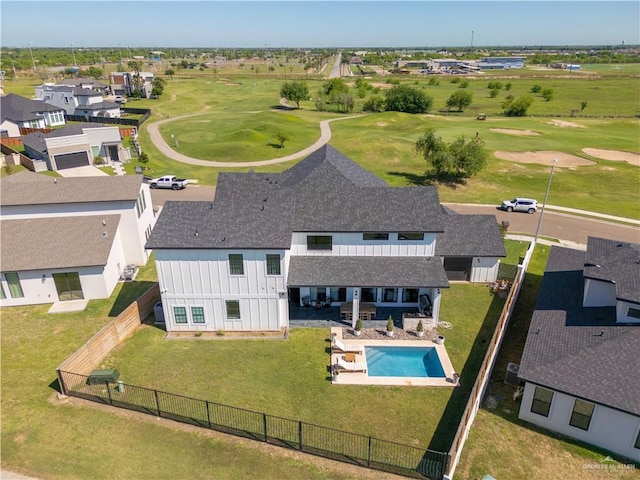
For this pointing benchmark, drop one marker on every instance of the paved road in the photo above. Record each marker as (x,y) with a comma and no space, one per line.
(557,225)
(571,228)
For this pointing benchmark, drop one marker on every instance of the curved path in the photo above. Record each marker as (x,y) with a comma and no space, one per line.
(158,141)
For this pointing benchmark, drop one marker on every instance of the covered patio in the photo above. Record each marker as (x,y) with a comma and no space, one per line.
(300,316)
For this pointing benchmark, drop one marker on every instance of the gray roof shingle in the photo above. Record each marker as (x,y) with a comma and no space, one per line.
(470,235)
(56,242)
(69,190)
(615,262)
(20,109)
(577,350)
(342,271)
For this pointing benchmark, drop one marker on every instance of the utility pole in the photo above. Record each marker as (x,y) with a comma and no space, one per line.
(75,64)
(33,62)
(472,32)
(546,195)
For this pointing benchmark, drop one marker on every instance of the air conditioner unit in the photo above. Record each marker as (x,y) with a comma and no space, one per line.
(511,377)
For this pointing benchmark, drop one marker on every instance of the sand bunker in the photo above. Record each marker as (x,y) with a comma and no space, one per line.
(614,155)
(562,123)
(544,158)
(513,131)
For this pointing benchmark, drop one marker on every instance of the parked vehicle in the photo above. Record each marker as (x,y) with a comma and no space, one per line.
(168,181)
(518,204)
(120,99)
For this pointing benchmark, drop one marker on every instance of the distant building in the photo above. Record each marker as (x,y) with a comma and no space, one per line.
(501,63)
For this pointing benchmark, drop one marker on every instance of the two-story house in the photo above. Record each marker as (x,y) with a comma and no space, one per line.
(77,101)
(76,146)
(581,361)
(66,238)
(128,83)
(18,112)
(324,232)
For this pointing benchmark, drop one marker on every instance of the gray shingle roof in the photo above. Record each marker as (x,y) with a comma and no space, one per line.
(470,235)
(70,190)
(56,242)
(325,192)
(20,109)
(25,176)
(616,262)
(99,106)
(342,271)
(221,225)
(576,350)
(36,140)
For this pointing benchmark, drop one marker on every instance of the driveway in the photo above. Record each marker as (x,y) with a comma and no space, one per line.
(193,193)
(86,171)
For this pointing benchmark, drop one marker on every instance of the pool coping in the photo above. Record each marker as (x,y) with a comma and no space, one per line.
(358,378)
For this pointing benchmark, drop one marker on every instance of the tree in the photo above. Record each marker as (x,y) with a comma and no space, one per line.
(143,158)
(460,99)
(583,105)
(282,137)
(136,68)
(157,86)
(468,156)
(94,72)
(536,88)
(375,103)
(517,107)
(494,84)
(547,94)
(433,150)
(335,85)
(403,98)
(493,93)
(170,72)
(295,92)
(507,86)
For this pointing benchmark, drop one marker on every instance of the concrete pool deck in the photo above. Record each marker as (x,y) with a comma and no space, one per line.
(357,378)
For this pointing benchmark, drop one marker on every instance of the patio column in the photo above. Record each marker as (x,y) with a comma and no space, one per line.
(355,313)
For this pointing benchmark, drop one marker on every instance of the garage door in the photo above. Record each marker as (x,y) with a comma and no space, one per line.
(458,268)
(71,160)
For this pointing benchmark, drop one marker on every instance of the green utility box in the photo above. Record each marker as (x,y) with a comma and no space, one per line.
(99,377)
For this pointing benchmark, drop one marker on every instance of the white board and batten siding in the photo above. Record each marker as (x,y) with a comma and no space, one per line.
(610,429)
(352,244)
(202,278)
(484,269)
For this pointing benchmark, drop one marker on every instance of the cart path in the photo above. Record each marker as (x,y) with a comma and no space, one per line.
(158,141)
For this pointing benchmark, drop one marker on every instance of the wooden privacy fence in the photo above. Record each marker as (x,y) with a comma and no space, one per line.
(314,439)
(91,354)
(477,392)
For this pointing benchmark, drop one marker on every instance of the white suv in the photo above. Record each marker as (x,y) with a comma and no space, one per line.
(528,205)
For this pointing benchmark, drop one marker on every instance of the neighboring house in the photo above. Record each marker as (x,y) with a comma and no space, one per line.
(86,83)
(26,196)
(581,361)
(18,112)
(325,231)
(76,145)
(77,100)
(126,83)
(50,259)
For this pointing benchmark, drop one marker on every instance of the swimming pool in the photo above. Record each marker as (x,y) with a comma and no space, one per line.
(403,362)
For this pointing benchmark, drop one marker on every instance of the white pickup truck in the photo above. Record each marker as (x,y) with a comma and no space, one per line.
(168,181)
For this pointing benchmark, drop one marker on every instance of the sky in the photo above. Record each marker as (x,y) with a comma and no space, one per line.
(332,24)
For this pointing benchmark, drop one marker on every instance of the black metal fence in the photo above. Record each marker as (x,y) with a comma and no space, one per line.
(136,122)
(327,442)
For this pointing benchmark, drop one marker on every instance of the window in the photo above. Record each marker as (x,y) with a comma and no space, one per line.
(180,314)
(318,294)
(236,264)
(2,295)
(233,308)
(368,294)
(13,281)
(410,236)
(197,314)
(410,295)
(141,204)
(390,295)
(273,264)
(581,415)
(633,312)
(375,236)
(338,294)
(637,444)
(541,401)
(319,242)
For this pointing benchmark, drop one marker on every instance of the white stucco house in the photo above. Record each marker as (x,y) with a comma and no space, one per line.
(581,361)
(18,112)
(76,145)
(87,228)
(324,233)
(126,83)
(77,100)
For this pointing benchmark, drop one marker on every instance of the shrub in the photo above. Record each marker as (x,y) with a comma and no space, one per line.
(536,88)
(358,325)
(390,324)
(98,160)
(493,93)
(374,104)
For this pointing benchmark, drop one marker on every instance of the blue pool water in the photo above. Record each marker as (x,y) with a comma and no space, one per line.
(403,362)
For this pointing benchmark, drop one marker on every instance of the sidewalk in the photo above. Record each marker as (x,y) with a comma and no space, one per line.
(543,241)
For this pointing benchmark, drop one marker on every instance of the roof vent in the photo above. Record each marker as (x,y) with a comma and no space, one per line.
(196,234)
(104,234)
(104,222)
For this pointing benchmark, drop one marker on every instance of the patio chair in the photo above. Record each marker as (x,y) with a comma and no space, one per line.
(352,366)
(337,345)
